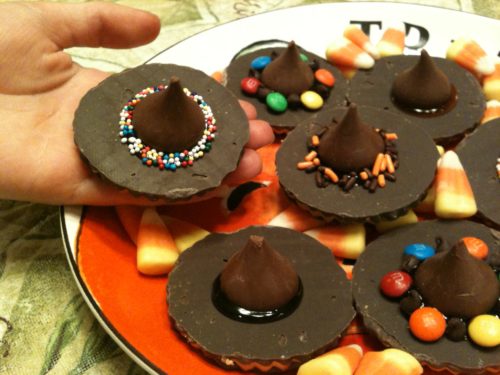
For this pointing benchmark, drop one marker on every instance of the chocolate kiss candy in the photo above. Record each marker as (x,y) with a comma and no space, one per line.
(351,145)
(258,277)
(423,86)
(169,120)
(457,284)
(288,74)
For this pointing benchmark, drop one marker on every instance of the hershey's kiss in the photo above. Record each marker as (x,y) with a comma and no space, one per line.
(169,120)
(423,86)
(258,277)
(350,145)
(457,284)
(288,74)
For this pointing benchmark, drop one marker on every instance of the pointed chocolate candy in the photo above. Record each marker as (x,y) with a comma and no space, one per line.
(351,145)
(258,277)
(169,120)
(424,86)
(457,284)
(288,74)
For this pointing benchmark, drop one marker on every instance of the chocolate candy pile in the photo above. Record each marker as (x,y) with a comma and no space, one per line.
(428,323)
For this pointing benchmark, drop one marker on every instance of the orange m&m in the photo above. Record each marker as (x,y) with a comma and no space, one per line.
(476,247)
(427,324)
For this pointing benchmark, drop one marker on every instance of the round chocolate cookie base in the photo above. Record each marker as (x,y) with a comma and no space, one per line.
(96,128)
(315,326)
(478,153)
(382,316)
(417,165)
(373,87)
(285,121)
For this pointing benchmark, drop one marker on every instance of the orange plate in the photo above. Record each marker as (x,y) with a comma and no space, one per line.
(134,306)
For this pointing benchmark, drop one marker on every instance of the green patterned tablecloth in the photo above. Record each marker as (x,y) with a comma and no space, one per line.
(45,326)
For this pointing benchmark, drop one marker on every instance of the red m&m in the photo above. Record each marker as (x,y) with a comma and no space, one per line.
(250,85)
(395,283)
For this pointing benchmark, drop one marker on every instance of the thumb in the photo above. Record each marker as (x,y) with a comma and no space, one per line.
(98,25)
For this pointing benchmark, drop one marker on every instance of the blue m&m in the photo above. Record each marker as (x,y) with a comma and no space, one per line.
(260,62)
(420,251)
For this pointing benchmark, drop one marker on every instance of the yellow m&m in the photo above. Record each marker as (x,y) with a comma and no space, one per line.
(484,330)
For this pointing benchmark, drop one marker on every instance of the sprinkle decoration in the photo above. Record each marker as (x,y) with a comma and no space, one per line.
(383,169)
(172,159)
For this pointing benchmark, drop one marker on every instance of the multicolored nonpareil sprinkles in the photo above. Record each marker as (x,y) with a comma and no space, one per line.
(165,159)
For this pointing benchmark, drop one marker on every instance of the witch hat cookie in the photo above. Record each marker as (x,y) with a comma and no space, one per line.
(161,130)
(287,84)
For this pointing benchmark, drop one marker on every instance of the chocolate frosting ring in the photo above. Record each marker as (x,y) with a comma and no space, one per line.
(382,315)
(96,132)
(478,153)
(373,87)
(239,67)
(313,327)
(417,165)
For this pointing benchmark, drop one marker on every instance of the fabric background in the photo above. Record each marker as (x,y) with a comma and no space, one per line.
(45,326)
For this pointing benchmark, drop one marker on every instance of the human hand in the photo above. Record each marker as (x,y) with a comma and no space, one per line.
(40,88)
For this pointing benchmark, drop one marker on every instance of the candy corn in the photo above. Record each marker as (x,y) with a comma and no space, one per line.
(218,76)
(389,361)
(393,40)
(387,225)
(295,218)
(359,38)
(345,241)
(130,217)
(454,197)
(491,83)
(340,361)
(440,150)
(156,250)
(492,111)
(184,234)
(467,53)
(345,53)
(427,205)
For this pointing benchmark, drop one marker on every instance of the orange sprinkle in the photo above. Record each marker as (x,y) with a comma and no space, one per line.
(363,175)
(315,140)
(391,136)
(383,164)
(304,164)
(331,175)
(310,156)
(381,180)
(390,164)
(316,162)
(376,165)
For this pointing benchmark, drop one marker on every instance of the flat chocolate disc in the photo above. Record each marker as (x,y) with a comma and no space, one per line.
(323,314)
(478,153)
(382,316)
(96,128)
(239,68)
(373,87)
(417,165)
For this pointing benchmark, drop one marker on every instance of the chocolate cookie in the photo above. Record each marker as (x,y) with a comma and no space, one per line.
(417,165)
(382,316)
(100,137)
(459,116)
(240,67)
(315,325)
(479,153)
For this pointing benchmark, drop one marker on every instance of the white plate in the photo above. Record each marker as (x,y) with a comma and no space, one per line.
(312,27)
